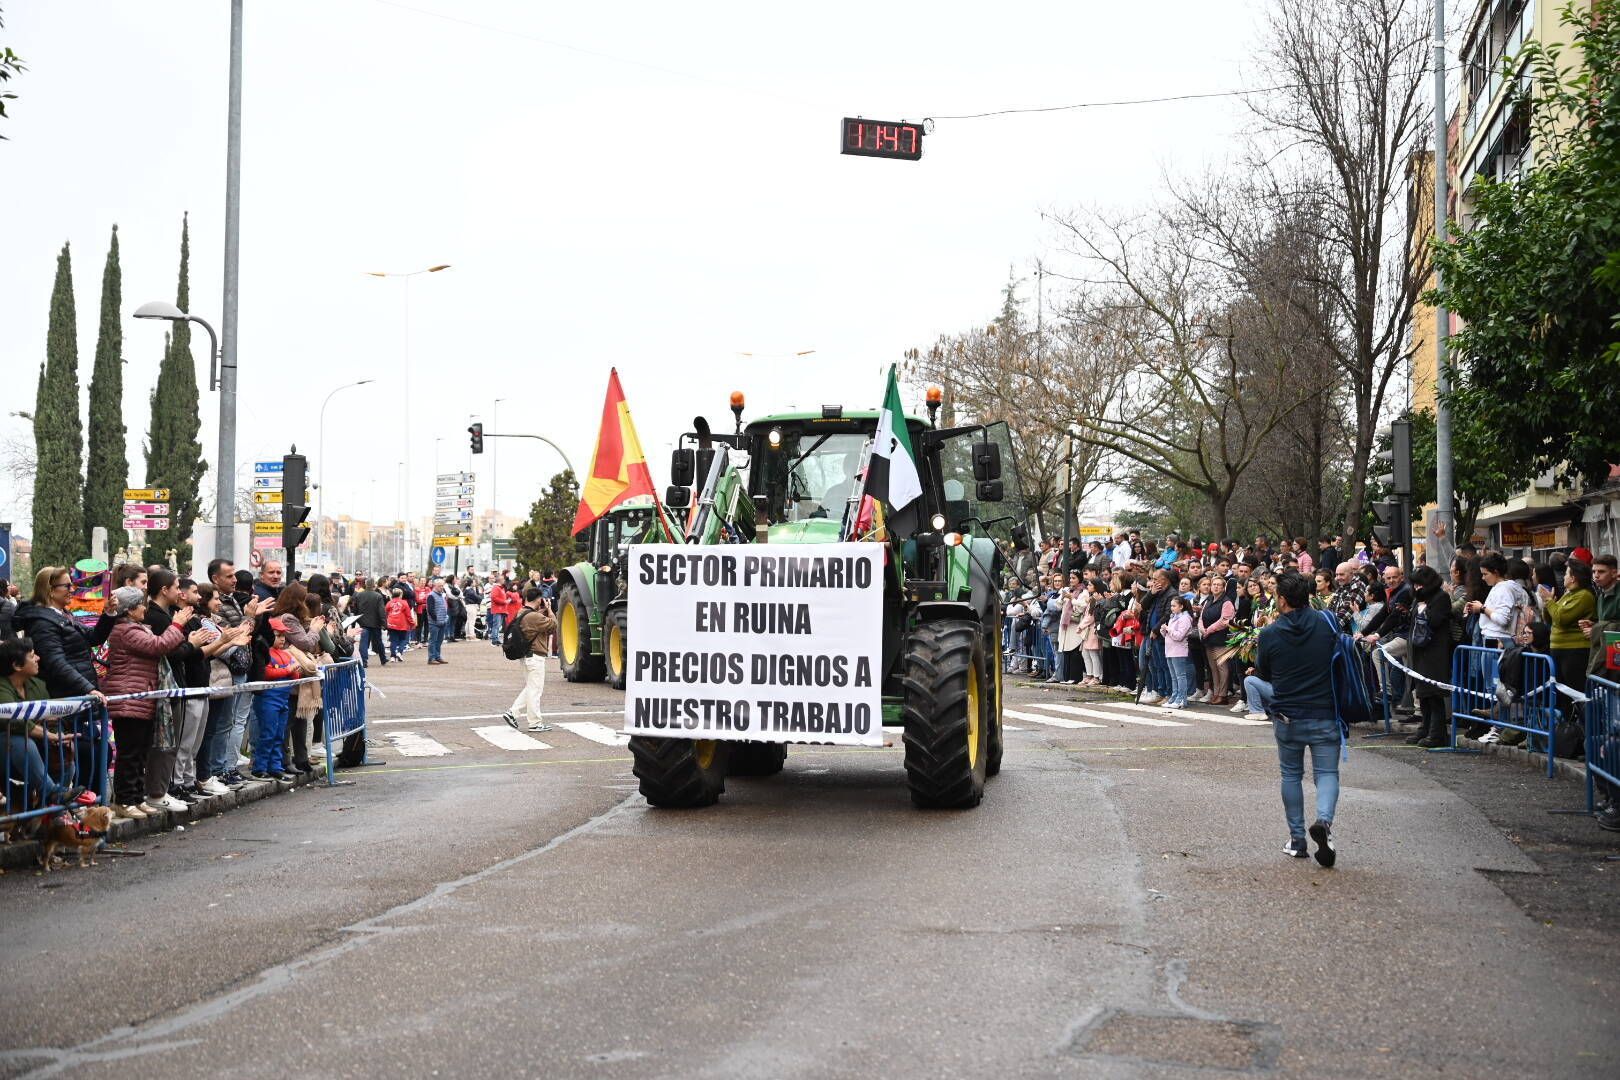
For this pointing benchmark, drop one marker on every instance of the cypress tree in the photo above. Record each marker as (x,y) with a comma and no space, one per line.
(59,434)
(106,472)
(173,454)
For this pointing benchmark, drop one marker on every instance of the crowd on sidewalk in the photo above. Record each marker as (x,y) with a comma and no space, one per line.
(1179,623)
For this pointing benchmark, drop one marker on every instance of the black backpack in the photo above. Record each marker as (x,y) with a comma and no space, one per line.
(516,643)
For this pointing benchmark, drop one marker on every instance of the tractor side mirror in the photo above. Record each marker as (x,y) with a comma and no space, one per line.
(762,506)
(678,497)
(1020,536)
(986,464)
(582,544)
(990,491)
(682,467)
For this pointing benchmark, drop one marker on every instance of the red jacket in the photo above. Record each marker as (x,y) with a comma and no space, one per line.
(132,660)
(504,601)
(399,614)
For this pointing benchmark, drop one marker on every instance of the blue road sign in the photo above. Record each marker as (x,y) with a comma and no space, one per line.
(5,549)
(267,466)
(438,556)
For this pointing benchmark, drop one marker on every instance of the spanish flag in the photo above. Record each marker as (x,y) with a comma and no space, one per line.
(618,468)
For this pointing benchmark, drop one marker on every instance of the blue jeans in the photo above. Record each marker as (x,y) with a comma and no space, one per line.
(1157,672)
(25,770)
(371,640)
(1181,678)
(436,640)
(241,725)
(397,640)
(1321,736)
(211,760)
(493,623)
(1257,692)
(271,711)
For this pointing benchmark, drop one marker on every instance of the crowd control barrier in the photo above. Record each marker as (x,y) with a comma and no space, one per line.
(78,755)
(1475,674)
(343,701)
(1602,737)
(1039,663)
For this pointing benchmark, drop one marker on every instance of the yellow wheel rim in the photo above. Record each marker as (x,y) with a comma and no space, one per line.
(704,750)
(973,716)
(615,649)
(568,630)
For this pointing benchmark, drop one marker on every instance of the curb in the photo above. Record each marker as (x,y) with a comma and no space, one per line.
(25,853)
(1563,767)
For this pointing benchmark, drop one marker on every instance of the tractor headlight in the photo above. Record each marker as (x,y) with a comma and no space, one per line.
(938,521)
(774,437)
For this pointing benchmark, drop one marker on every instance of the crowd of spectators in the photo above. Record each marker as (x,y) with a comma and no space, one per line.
(1177,623)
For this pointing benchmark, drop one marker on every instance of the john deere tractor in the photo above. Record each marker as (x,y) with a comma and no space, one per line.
(590,593)
(799,478)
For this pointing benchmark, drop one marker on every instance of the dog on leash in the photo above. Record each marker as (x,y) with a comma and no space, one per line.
(79,830)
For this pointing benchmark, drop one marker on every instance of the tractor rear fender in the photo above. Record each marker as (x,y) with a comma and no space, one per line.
(583,575)
(934,610)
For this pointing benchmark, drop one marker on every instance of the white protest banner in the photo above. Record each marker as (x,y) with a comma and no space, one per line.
(768,642)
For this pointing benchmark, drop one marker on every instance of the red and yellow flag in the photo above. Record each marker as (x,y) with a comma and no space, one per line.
(618,467)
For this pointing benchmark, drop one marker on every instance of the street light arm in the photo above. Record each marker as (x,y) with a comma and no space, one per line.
(215,361)
(542,438)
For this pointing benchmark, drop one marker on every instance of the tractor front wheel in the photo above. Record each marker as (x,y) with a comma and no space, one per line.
(757,758)
(947,740)
(992,704)
(615,653)
(680,774)
(579,664)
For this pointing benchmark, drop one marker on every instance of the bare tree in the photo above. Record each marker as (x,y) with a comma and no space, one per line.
(1338,141)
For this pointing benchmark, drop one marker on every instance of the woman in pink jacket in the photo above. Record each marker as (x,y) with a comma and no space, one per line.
(133,652)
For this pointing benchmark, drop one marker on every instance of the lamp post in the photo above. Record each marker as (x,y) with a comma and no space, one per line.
(320,463)
(495,460)
(407,275)
(221,377)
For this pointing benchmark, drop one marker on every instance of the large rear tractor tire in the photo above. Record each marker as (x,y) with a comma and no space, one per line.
(680,774)
(615,651)
(579,664)
(947,740)
(992,703)
(756,758)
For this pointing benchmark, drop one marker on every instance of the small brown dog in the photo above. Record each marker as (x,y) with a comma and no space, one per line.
(80,830)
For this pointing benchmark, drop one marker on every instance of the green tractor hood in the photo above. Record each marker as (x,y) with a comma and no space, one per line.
(821,531)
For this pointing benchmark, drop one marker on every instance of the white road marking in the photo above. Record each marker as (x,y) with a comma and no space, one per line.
(1011,727)
(507,739)
(1049,721)
(411,744)
(494,716)
(595,732)
(1116,718)
(1213,717)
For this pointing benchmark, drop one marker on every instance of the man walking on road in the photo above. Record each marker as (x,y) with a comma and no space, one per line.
(534,622)
(437,612)
(1295,656)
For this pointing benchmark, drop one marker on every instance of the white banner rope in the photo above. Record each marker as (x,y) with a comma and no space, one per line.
(1568,691)
(36,710)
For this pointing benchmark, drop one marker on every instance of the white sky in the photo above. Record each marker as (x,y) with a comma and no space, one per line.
(660,190)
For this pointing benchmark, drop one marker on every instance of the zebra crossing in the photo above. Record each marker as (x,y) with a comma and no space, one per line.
(1102,714)
(451,735)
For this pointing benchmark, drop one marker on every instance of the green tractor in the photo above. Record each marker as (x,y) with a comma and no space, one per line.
(591,617)
(798,478)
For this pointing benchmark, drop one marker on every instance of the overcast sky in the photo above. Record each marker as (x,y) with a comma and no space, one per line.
(653,186)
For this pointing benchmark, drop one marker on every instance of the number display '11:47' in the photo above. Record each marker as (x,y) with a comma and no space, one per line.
(882,138)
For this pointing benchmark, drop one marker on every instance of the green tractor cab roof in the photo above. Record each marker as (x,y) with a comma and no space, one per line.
(845,416)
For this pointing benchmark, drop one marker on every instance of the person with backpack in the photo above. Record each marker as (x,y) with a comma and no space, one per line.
(526,637)
(1432,643)
(1295,656)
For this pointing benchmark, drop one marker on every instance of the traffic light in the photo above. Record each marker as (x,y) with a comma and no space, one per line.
(477,433)
(294,486)
(1398,457)
(1392,523)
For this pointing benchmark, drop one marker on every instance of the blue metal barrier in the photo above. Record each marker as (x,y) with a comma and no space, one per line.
(1602,737)
(1475,672)
(1011,657)
(343,701)
(78,757)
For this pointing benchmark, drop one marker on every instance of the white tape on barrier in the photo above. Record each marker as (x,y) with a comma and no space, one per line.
(1567,691)
(34,710)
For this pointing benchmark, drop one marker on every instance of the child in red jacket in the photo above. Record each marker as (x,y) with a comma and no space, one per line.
(400,620)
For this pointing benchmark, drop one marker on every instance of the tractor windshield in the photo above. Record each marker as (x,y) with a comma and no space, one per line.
(810,474)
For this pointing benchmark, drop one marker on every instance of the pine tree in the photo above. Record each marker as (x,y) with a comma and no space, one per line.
(106,472)
(173,455)
(59,434)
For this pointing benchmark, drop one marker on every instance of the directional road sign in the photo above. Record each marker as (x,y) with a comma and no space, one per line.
(147,494)
(451,502)
(146,523)
(455,477)
(267,466)
(274,497)
(447,490)
(267,528)
(438,555)
(146,509)
(452,541)
(267,483)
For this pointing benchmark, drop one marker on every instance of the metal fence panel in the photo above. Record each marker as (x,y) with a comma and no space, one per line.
(1478,698)
(1602,737)
(343,699)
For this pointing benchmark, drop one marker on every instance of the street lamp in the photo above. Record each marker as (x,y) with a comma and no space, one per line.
(320,464)
(221,377)
(407,275)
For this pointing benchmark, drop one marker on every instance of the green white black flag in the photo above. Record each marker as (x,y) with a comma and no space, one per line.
(892,472)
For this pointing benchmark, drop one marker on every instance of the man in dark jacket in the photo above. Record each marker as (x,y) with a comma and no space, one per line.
(371,606)
(1294,658)
(1392,627)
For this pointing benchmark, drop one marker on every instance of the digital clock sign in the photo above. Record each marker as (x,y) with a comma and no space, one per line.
(881,138)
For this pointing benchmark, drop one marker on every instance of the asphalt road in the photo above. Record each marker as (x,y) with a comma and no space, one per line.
(1118,907)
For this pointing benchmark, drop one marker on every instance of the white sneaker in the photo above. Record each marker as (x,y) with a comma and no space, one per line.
(1200,697)
(539,725)
(243,762)
(1490,737)
(1174,705)
(212,786)
(1255,716)
(169,802)
(1150,698)
(153,806)
(1240,707)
